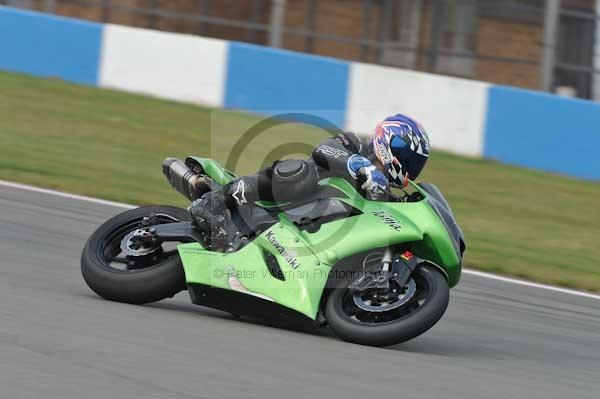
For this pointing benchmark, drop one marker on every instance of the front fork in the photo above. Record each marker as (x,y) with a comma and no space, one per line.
(397,267)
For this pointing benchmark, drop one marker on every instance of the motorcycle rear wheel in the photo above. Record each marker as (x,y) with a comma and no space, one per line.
(140,279)
(353,324)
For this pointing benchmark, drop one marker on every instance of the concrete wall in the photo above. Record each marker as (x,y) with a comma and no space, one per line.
(543,131)
(48,46)
(452,110)
(271,81)
(465,117)
(169,65)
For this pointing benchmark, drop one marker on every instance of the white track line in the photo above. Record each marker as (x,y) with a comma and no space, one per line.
(530,284)
(65,195)
(466,271)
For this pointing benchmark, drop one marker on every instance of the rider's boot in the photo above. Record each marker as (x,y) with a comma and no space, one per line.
(211,214)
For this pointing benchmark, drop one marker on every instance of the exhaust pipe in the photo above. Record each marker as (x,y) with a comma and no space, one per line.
(186,182)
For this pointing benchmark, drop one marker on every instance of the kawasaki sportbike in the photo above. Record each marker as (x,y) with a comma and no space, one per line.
(378,273)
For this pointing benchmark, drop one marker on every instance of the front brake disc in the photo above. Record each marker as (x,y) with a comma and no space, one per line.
(372,303)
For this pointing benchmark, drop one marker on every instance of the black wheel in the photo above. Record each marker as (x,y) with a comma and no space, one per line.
(378,319)
(133,275)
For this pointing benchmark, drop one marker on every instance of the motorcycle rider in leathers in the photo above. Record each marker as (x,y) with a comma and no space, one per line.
(397,151)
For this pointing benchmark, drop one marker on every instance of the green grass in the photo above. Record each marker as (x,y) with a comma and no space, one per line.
(108,144)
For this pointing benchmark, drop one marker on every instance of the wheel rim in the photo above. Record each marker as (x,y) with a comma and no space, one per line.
(115,256)
(378,302)
(370,310)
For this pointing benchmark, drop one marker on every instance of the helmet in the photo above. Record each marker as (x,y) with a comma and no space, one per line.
(402,146)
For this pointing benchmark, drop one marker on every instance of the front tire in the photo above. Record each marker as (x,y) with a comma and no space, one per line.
(162,277)
(379,329)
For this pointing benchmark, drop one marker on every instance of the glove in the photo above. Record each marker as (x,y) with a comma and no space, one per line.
(374,181)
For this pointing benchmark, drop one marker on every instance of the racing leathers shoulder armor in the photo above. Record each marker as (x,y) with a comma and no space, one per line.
(334,154)
(347,155)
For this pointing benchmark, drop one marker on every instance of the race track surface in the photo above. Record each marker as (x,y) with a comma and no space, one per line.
(59,340)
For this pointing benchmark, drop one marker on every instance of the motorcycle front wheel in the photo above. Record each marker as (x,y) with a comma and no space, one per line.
(131,275)
(382,320)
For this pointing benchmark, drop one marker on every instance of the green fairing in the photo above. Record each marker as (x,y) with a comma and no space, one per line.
(213,169)
(307,258)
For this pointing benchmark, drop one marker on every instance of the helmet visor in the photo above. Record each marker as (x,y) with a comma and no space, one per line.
(412,163)
(415,165)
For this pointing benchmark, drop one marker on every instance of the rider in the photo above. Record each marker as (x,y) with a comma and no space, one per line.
(397,152)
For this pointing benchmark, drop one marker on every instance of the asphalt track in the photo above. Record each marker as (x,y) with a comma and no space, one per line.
(59,340)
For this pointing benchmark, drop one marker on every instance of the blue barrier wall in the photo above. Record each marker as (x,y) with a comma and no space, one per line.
(543,131)
(522,127)
(270,81)
(49,46)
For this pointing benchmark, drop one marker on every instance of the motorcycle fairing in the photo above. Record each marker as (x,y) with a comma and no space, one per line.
(306,258)
(246,271)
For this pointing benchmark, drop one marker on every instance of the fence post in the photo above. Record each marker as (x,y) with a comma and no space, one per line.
(153,16)
(255,14)
(204,9)
(367,19)
(596,74)
(309,24)
(384,29)
(49,6)
(277,21)
(438,24)
(551,20)
(106,7)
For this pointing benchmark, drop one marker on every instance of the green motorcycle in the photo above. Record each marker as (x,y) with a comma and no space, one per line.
(377,273)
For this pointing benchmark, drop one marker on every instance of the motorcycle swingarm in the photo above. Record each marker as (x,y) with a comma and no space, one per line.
(180,231)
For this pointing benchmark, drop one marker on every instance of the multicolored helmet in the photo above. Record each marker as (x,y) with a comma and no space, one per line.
(402,146)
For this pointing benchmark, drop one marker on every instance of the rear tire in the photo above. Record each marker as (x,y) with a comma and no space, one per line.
(139,286)
(393,332)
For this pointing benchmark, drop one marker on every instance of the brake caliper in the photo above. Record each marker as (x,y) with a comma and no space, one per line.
(403,265)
